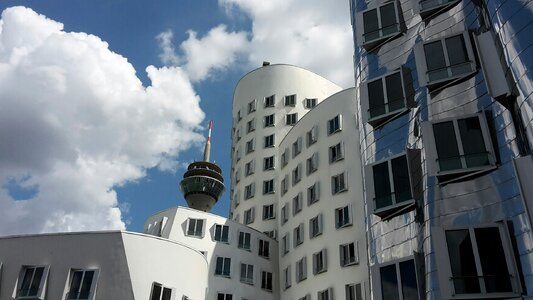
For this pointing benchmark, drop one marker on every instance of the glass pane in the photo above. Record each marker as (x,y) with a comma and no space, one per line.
(400,177)
(218,267)
(75,284)
(395,96)
(435,61)
(447,149)
(225,232)
(493,263)
(220,297)
(218,229)
(34,288)
(167,294)
(456,50)
(86,287)
(382,185)
(388,19)
(370,20)
(227,264)
(25,286)
(389,283)
(376,99)
(408,277)
(473,143)
(462,262)
(156,292)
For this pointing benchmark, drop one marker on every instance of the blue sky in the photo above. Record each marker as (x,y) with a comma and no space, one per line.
(202,46)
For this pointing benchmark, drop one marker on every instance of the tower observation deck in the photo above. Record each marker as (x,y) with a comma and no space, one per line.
(202,183)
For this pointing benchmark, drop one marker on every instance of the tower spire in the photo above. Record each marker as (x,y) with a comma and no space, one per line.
(207,149)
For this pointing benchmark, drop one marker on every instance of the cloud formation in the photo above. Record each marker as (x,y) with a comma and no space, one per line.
(76,121)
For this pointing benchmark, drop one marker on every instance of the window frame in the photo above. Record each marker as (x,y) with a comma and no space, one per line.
(246,241)
(261,246)
(318,219)
(310,103)
(316,187)
(250,125)
(311,136)
(268,102)
(312,164)
(92,288)
(248,277)
(342,188)
(301,269)
(324,267)
(249,168)
(344,262)
(249,216)
(334,124)
(226,296)
(269,141)
(269,212)
(252,106)
(297,147)
(376,276)
(194,234)
(434,10)
(222,229)
(339,152)
(249,191)
(353,287)
(41,291)
(298,235)
(371,44)
(268,187)
(290,100)
(343,209)
(269,120)
(269,163)
(250,146)
(163,288)
(326,294)
(297,204)
(291,119)
(287,282)
(265,281)
(296,174)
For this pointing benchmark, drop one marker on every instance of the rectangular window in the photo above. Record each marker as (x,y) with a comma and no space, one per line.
(312,164)
(310,102)
(349,254)
(223,266)
(354,291)
(266,281)
(247,274)
(343,217)
(268,212)
(291,119)
(239,116)
(287,277)
(284,213)
(297,147)
(268,121)
(159,292)
(32,281)
(301,269)
(249,216)
(238,175)
(297,204)
(286,243)
(326,294)
(244,240)
(268,186)
(270,101)
(284,185)
(264,248)
(379,24)
(298,235)
(398,281)
(221,233)
(313,193)
(269,141)
(249,168)
(290,100)
(320,262)
(297,174)
(250,146)
(249,191)
(338,184)
(312,136)
(250,126)
(285,158)
(252,106)
(195,227)
(335,125)
(237,199)
(82,284)
(315,226)
(271,234)
(268,163)
(222,296)
(336,152)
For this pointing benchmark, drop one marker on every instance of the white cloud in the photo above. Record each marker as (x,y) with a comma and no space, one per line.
(75,122)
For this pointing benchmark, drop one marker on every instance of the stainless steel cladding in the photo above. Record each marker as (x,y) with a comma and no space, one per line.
(444,94)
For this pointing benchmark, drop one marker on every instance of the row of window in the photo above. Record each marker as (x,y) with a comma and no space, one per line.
(270,101)
(223,268)
(352,291)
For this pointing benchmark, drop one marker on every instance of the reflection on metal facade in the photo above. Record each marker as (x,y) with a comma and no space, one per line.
(446,84)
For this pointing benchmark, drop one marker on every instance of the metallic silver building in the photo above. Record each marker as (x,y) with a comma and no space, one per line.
(446,131)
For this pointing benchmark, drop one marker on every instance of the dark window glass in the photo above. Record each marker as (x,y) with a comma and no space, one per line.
(462,262)
(492,258)
(389,283)
(220,297)
(75,284)
(400,176)
(167,294)
(25,286)
(447,149)
(395,96)
(475,153)
(434,56)
(456,50)
(86,287)
(34,288)
(376,98)
(156,292)
(408,278)
(388,19)
(382,185)
(370,19)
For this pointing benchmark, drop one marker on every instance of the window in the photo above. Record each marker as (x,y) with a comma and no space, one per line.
(312,163)
(336,152)
(249,216)
(379,24)
(285,158)
(387,97)
(296,174)
(297,204)
(398,281)
(442,60)
(271,234)
(269,141)
(264,248)
(284,185)
(313,193)
(196,227)
(286,243)
(221,233)
(320,262)
(312,136)
(349,254)
(159,292)
(238,175)
(244,240)
(391,186)
(291,119)
(310,102)
(481,262)
(335,125)
(247,274)
(338,184)
(301,269)
(306,297)
(250,146)
(270,101)
(238,134)
(284,213)
(237,199)
(354,291)
(326,294)
(250,126)
(249,191)
(268,212)
(461,146)
(238,153)
(290,100)
(32,282)
(342,217)
(268,121)
(266,281)
(426,8)
(249,168)
(239,116)
(315,226)
(82,284)
(268,186)
(223,266)
(268,163)
(222,296)
(287,277)
(298,235)
(252,106)
(297,147)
